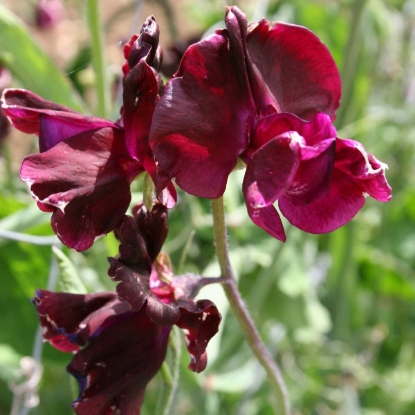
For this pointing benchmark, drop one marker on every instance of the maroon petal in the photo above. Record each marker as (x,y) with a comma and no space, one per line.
(134,288)
(142,237)
(114,368)
(133,249)
(68,320)
(202,122)
(200,322)
(25,110)
(297,68)
(262,214)
(364,168)
(152,226)
(355,175)
(342,202)
(124,349)
(145,45)
(83,180)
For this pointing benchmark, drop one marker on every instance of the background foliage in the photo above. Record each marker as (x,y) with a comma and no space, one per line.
(337,311)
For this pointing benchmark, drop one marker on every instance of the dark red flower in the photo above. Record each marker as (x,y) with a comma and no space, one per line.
(266,94)
(120,341)
(86,164)
(225,84)
(83,172)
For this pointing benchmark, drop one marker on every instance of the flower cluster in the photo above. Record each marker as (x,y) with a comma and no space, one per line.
(264,94)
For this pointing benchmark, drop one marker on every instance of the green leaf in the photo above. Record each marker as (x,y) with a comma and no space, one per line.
(31,65)
(69,280)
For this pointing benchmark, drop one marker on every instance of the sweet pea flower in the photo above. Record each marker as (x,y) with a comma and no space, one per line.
(83,171)
(86,164)
(266,94)
(120,341)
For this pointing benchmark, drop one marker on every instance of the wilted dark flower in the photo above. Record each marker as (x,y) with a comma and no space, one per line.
(266,94)
(120,344)
(117,350)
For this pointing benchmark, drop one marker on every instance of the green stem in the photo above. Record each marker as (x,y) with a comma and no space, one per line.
(148,188)
(98,61)
(350,60)
(282,406)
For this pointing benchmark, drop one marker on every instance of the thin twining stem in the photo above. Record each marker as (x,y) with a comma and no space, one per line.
(282,405)
(31,239)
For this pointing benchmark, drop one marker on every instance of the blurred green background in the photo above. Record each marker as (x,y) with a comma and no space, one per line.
(337,310)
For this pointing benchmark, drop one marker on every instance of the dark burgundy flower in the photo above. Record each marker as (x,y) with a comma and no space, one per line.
(320,181)
(83,172)
(86,164)
(266,94)
(117,350)
(120,341)
(228,82)
(147,282)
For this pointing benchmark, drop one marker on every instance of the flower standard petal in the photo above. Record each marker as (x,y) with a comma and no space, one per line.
(203,120)
(297,68)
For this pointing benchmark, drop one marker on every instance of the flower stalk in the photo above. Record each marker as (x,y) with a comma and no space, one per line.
(282,405)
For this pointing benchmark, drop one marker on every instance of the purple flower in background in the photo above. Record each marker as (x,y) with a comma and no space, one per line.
(48,13)
(266,94)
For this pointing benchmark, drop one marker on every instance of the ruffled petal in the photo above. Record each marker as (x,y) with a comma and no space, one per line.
(342,202)
(123,349)
(297,68)
(83,180)
(200,322)
(364,168)
(202,122)
(68,320)
(28,111)
(134,288)
(114,368)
